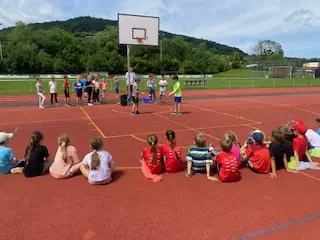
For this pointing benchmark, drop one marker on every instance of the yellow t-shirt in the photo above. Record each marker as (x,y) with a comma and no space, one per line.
(177,89)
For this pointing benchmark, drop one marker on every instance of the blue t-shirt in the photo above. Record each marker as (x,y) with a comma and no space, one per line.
(84,83)
(318,131)
(78,86)
(6,155)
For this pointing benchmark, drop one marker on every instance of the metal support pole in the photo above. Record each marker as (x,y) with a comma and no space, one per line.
(128,77)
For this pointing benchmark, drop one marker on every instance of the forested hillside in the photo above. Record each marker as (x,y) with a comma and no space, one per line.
(90,44)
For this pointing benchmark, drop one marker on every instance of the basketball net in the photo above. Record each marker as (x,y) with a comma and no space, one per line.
(139,39)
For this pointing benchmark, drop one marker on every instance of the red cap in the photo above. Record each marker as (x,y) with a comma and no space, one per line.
(300,128)
(298,120)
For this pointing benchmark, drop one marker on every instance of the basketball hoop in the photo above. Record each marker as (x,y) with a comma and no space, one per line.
(139,40)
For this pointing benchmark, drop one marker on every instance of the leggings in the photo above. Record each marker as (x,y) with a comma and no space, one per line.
(96,96)
(55,97)
(41,99)
(89,96)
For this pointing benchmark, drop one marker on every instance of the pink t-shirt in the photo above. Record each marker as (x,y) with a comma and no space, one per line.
(104,86)
(236,152)
(60,168)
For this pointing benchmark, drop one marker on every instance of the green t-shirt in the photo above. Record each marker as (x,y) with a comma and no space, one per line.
(177,89)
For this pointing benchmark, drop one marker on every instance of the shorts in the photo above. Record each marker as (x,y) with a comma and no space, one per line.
(151,90)
(314,152)
(79,94)
(177,99)
(117,90)
(104,93)
(85,90)
(106,181)
(163,92)
(135,99)
(66,92)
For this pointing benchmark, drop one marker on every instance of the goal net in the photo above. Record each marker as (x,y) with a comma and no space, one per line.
(280,72)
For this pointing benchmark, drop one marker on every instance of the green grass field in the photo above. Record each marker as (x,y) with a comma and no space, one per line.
(228,80)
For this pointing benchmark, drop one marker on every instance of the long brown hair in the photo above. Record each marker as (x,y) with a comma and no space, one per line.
(96,144)
(64,141)
(35,139)
(152,140)
(171,136)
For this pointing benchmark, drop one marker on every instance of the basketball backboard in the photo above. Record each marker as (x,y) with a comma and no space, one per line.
(138,30)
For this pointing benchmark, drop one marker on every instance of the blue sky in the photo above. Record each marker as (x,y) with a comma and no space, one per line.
(241,23)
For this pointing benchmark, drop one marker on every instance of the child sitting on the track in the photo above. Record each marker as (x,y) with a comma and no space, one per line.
(163,89)
(8,162)
(152,89)
(172,154)
(53,91)
(78,86)
(199,158)
(300,147)
(66,87)
(36,156)
(280,152)
(104,88)
(177,96)
(98,165)
(235,146)
(256,153)
(228,169)
(66,162)
(151,159)
(135,97)
(40,93)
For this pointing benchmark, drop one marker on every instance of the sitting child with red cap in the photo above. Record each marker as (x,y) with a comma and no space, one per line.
(312,137)
(256,153)
(300,147)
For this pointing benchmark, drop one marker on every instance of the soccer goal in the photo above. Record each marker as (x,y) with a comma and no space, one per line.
(280,72)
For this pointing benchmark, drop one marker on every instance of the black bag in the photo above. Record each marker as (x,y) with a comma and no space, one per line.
(123,100)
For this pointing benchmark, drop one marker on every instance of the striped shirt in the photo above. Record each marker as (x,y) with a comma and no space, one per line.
(200,157)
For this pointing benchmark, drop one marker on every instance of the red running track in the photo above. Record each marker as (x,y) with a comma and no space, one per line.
(178,208)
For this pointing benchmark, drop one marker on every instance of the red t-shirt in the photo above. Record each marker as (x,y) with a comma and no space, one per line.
(228,167)
(259,156)
(146,156)
(172,163)
(66,84)
(300,145)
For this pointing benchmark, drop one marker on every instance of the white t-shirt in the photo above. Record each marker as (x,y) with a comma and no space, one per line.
(313,138)
(96,84)
(103,172)
(53,86)
(39,87)
(132,78)
(163,84)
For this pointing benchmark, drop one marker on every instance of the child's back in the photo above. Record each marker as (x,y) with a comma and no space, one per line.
(259,156)
(228,167)
(146,155)
(200,157)
(103,171)
(6,156)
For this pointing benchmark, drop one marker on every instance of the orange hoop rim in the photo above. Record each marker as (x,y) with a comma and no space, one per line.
(139,39)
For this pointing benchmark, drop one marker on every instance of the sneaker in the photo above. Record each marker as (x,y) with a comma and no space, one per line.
(137,112)
(174,113)
(57,105)
(179,114)
(90,104)
(133,113)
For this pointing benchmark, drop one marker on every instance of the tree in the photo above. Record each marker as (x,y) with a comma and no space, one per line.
(268,50)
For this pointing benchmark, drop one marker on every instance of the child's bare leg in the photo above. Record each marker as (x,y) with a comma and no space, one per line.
(76,168)
(189,165)
(179,107)
(84,170)
(17,170)
(112,166)
(133,107)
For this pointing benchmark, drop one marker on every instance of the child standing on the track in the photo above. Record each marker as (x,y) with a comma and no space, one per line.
(66,162)
(96,90)
(177,95)
(135,97)
(36,156)
(90,90)
(163,89)
(53,91)
(151,159)
(104,88)
(66,87)
(78,86)
(98,165)
(116,86)
(256,153)
(152,89)
(84,83)
(199,158)
(172,154)
(228,169)
(8,162)
(235,146)
(40,93)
